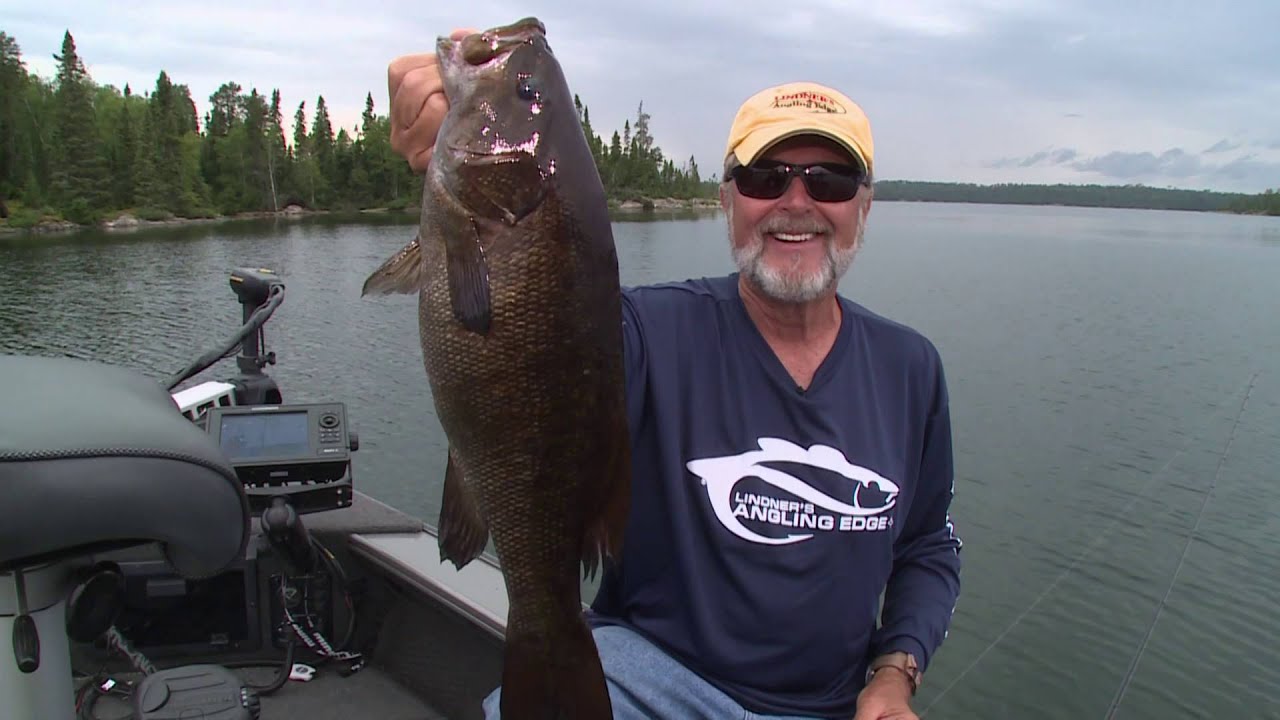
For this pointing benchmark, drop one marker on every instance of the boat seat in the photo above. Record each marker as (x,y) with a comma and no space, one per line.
(96,457)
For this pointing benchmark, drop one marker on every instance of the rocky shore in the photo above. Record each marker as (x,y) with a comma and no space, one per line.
(127,221)
(666,204)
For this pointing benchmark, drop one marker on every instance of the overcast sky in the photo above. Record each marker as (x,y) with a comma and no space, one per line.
(1170,93)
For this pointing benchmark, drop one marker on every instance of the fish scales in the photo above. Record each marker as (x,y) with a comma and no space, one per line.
(520,321)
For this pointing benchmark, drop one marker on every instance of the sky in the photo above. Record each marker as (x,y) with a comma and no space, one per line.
(1167,94)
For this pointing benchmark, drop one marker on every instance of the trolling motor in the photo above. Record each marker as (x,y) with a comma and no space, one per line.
(255,288)
(260,292)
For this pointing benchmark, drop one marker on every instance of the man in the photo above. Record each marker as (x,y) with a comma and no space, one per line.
(792,449)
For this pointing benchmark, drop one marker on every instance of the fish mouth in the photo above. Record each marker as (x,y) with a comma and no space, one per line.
(483,48)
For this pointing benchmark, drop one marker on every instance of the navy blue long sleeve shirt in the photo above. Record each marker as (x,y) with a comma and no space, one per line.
(766,520)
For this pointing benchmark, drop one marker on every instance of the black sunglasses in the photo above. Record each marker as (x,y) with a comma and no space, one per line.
(825,182)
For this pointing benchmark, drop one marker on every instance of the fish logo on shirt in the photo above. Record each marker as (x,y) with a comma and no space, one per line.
(806,508)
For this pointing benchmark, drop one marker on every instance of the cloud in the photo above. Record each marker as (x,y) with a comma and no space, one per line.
(1172,167)
(1222,146)
(948,84)
(1044,157)
(1175,163)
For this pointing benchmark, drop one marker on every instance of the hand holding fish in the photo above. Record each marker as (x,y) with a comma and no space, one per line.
(886,697)
(418,104)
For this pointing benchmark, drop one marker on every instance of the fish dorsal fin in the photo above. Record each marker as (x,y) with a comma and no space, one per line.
(400,274)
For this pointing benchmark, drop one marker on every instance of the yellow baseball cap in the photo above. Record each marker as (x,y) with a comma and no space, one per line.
(798,108)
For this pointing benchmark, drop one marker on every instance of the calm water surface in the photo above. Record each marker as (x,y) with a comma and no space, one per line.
(1115,384)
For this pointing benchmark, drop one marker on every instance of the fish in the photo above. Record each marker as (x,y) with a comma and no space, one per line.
(520,323)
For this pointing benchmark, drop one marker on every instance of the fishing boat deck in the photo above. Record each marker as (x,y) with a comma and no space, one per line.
(431,635)
(371,693)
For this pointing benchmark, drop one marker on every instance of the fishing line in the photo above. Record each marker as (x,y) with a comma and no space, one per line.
(1141,494)
(1142,648)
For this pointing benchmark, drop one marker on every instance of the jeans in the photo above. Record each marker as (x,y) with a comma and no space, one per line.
(644,683)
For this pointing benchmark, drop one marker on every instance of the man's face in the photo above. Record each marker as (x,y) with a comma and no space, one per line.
(793,248)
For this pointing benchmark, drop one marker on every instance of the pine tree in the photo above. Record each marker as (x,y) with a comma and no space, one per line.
(165,139)
(304,163)
(127,158)
(257,151)
(80,171)
(322,154)
(276,149)
(14,165)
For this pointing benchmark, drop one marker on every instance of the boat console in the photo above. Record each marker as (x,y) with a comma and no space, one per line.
(129,526)
(95,458)
(154,561)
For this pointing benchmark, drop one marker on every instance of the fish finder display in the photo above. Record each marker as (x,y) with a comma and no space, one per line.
(268,435)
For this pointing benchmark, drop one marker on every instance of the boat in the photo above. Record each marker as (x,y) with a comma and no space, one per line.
(331,604)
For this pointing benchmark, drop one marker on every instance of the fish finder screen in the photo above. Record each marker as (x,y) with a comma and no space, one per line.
(269,435)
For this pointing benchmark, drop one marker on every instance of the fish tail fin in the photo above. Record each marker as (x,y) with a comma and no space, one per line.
(556,676)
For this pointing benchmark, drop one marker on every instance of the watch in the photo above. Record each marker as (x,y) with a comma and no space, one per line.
(902,662)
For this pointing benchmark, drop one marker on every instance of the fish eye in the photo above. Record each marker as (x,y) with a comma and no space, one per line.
(527,88)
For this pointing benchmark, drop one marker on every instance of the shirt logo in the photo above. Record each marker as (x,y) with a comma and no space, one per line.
(798,507)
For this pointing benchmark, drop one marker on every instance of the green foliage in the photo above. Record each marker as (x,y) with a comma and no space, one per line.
(82,152)
(89,151)
(1266,203)
(152,214)
(23,217)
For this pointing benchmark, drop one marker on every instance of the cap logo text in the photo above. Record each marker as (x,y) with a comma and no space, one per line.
(809,100)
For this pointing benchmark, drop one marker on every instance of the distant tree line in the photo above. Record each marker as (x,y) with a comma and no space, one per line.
(72,149)
(1267,203)
(1114,196)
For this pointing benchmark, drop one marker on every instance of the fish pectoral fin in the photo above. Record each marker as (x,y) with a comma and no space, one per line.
(468,280)
(463,530)
(611,499)
(400,274)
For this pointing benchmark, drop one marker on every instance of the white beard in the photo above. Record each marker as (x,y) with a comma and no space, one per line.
(793,285)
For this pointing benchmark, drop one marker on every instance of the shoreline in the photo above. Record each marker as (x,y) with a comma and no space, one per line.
(125,221)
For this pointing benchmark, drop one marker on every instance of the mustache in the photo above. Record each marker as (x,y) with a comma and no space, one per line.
(791,224)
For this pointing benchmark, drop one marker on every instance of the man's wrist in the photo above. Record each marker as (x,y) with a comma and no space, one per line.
(901,665)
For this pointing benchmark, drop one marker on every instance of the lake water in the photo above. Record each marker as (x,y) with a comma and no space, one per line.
(1115,390)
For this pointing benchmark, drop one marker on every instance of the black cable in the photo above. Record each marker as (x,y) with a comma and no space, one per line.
(335,569)
(256,321)
(286,669)
(87,697)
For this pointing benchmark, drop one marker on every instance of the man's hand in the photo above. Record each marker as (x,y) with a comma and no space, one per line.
(418,104)
(886,697)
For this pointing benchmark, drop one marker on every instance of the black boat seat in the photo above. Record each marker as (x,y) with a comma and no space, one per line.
(95,457)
